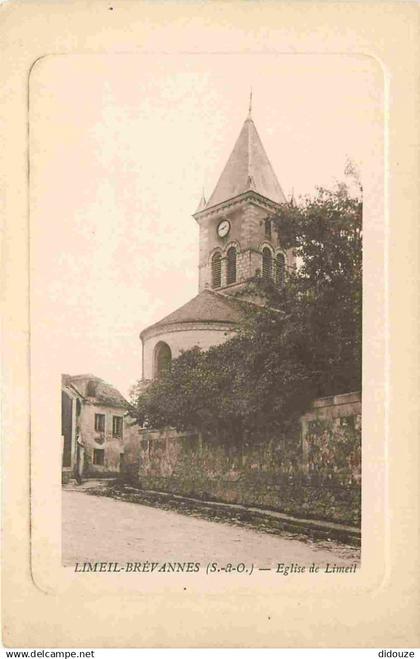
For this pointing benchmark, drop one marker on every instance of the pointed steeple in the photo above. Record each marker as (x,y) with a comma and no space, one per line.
(292,201)
(202,202)
(248,168)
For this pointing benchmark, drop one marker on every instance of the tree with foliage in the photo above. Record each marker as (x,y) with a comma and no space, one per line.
(303,343)
(325,291)
(246,384)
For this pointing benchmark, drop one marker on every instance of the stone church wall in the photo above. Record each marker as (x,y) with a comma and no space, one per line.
(315,472)
(247,235)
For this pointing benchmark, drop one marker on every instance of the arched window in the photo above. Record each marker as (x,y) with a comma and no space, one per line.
(280,269)
(231,266)
(162,359)
(267,263)
(216,270)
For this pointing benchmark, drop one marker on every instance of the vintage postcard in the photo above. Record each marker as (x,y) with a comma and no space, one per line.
(208,218)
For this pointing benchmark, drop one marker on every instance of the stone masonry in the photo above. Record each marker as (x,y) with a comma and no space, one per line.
(315,472)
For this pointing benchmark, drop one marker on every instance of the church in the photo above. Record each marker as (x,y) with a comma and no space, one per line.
(236,243)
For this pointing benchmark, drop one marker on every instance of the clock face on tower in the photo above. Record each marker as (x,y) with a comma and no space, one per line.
(223,228)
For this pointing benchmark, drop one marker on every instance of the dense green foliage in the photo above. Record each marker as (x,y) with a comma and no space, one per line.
(303,343)
(324,295)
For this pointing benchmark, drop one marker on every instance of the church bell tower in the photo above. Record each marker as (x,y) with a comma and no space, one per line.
(237,243)
(237,240)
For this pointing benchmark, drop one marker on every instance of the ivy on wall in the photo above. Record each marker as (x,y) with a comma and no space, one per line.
(334,447)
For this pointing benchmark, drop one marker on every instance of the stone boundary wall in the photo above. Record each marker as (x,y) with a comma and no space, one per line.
(314,472)
(331,436)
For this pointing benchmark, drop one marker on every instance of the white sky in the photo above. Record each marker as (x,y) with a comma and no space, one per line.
(120,147)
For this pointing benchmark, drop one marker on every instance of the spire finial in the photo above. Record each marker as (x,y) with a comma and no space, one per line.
(203,201)
(250,104)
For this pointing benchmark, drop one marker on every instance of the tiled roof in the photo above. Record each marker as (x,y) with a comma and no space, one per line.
(248,168)
(96,390)
(207,306)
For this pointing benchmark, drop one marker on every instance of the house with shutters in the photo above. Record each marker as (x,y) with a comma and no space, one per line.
(236,243)
(94,421)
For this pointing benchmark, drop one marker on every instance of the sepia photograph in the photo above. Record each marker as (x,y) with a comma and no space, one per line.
(209,338)
(208,306)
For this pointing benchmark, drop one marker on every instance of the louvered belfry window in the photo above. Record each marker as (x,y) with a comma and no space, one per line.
(231,265)
(267,263)
(280,269)
(216,270)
